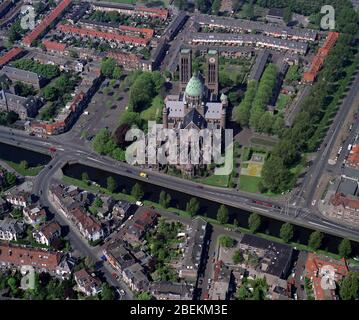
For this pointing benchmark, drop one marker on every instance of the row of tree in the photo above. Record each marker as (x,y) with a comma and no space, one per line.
(47,71)
(252,111)
(311,122)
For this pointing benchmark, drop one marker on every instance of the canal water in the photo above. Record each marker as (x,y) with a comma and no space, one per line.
(16,154)
(179,200)
(207,208)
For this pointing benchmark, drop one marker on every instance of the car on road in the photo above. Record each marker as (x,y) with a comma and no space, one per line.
(314,202)
(139,203)
(144,175)
(130,217)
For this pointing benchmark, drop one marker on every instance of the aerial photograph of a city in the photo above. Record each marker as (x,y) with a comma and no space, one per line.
(181,150)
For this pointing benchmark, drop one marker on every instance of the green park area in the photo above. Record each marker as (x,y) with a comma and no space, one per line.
(24,169)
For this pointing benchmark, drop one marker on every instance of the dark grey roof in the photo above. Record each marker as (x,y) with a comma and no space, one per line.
(351,173)
(279,254)
(276,12)
(12,225)
(194,117)
(248,26)
(22,75)
(348,187)
(259,65)
(170,288)
(249,39)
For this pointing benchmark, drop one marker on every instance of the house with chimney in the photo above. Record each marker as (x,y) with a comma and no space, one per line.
(87,283)
(11,229)
(52,262)
(48,233)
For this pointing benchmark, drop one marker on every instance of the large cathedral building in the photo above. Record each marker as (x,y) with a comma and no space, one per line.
(198,104)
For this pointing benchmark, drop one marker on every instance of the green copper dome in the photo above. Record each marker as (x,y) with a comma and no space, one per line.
(194,87)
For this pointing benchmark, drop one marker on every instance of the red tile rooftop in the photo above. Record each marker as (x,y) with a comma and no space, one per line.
(53,45)
(8,56)
(54,14)
(103,35)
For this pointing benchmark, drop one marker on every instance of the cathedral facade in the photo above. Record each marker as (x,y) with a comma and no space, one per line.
(198,104)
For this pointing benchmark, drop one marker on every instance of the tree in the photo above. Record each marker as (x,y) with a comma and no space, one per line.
(107,292)
(117,72)
(287,15)
(144,296)
(226,241)
(108,65)
(286,232)
(120,135)
(50,93)
(276,176)
(248,11)
(349,288)
(192,206)
(24,164)
(254,222)
(137,191)
(165,199)
(237,257)
(216,5)
(345,248)
(315,240)
(222,215)
(85,176)
(111,184)
(98,203)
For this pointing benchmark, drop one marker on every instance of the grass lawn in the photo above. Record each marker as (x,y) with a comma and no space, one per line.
(31,171)
(263,142)
(154,111)
(249,184)
(283,101)
(215,180)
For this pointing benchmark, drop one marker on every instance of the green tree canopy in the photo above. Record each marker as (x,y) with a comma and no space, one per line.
(111,184)
(254,222)
(345,248)
(192,206)
(286,232)
(137,191)
(222,214)
(349,288)
(315,240)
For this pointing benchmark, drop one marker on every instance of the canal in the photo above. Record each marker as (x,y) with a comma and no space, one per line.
(179,200)
(207,208)
(16,154)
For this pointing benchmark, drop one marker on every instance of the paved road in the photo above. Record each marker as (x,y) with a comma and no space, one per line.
(41,188)
(311,180)
(231,197)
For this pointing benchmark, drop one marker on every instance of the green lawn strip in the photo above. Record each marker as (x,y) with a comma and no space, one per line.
(249,184)
(263,142)
(215,180)
(118,196)
(30,171)
(283,101)
(298,246)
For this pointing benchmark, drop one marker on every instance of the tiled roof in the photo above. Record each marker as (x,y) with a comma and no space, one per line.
(319,58)
(87,222)
(53,45)
(8,56)
(103,35)
(54,14)
(49,229)
(20,256)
